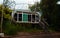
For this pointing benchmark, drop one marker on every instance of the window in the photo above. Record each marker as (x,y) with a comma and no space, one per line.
(29,18)
(20,17)
(25,17)
(17,17)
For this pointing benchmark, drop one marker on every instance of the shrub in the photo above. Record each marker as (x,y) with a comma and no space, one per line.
(9,29)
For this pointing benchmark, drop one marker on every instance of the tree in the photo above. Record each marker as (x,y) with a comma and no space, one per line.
(35,7)
(50,11)
(5,13)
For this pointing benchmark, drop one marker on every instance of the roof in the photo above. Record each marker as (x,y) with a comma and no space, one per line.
(23,10)
(26,11)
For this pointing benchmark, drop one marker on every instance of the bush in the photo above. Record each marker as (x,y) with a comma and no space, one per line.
(13,28)
(9,29)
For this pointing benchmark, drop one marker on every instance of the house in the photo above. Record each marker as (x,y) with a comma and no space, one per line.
(25,16)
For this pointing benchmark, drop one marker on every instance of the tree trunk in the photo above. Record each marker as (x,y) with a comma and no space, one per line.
(2,20)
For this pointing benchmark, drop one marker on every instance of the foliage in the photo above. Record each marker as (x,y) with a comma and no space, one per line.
(0,10)
(13,28)
(8,28)
(35,7)
(51,12)
(6,12)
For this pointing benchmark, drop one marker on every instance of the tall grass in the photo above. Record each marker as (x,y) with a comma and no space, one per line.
(13,28)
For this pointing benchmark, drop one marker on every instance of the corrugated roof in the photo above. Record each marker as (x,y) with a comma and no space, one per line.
(22,10)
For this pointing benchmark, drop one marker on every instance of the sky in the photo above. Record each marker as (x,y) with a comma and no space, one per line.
(58,2)
(1,1)
(26,1)
(23,1)
(21,5)
(25,5)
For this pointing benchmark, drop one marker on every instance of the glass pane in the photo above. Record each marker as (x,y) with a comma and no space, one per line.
(25,17)
(20,17)
(29,18)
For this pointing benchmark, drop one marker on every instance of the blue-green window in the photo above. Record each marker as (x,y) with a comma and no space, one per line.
(25,17)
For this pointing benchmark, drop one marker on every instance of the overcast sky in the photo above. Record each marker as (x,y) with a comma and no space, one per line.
(23,1)
(1,1)
(23,6)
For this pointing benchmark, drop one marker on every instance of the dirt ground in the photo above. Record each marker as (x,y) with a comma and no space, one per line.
(37,35)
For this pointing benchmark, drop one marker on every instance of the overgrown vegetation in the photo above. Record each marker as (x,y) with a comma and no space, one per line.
(50,10)
(13,28)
